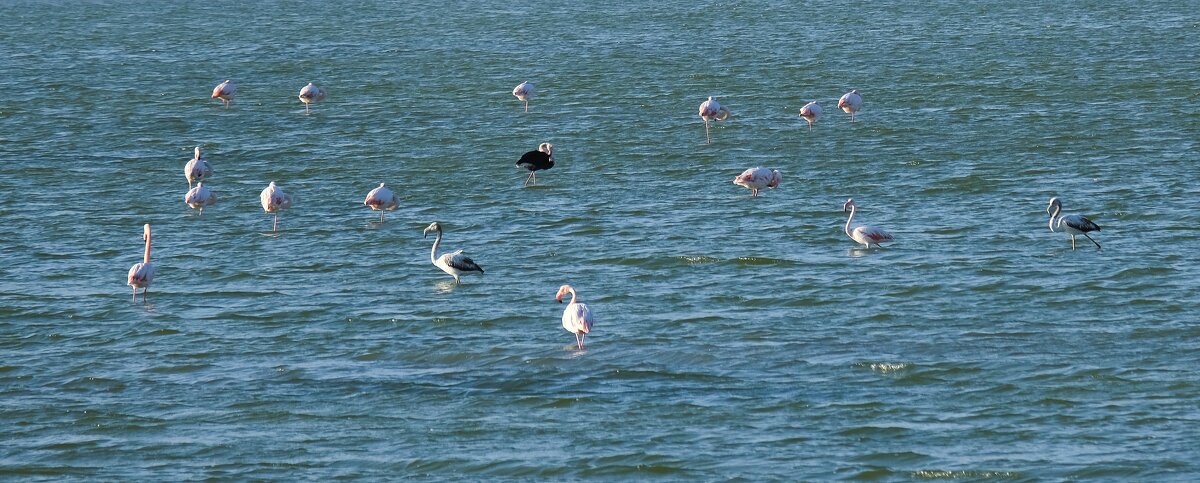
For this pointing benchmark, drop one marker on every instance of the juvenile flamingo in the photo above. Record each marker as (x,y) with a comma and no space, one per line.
(865,234)
(141,274)
(310,94)
(199,197)
(758,178)
(382,199)
(810,112)
(454,263)
(711,109)
(534,161)
(273,201)
(577,317)
(1071,224)
(850,102)
(197,169)
(524,91)
(225,91)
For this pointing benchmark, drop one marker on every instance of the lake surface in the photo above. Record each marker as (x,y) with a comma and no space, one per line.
(737,337)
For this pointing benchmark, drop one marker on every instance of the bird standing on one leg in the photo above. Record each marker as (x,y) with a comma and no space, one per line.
(1071,224)
(454,263)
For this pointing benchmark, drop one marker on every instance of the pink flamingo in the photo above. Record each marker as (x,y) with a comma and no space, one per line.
(524,91)
(758,178)
(141,274)
(274,200)
(225,91)
(850,103)
(711,109)
(382,199)
(577,317)
(310,94)
(810,112)
(865,234)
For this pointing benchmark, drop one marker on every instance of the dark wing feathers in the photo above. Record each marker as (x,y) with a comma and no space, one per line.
(1082,224)
(535,160)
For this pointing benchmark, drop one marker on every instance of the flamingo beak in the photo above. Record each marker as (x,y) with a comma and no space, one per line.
(558,298)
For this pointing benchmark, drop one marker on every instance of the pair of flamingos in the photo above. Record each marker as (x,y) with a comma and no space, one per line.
(309,94)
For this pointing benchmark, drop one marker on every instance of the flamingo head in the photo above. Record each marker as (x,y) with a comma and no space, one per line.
(848,205)
(1053,203)
(563,290)
(776,177)
(547,148)
(434,227)
(197,152)
(146,232)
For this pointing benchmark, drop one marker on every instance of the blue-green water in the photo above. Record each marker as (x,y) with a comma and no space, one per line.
(736,336)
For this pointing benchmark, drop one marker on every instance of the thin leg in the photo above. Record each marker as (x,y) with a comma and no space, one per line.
(1072,242)
(578,341)
(1089,237)
(527,178)
(135,295)
(144,292)
(276,224)
(380,217)
(707,139)
(526,106)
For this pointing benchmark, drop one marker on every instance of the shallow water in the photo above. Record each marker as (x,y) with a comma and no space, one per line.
(737,336)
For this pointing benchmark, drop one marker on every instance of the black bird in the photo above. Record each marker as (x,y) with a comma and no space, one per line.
(543,158)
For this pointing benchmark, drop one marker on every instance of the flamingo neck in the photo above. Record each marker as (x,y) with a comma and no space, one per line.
(1056,209)
(572,291)
(848,220)
(146,257)
(433,252)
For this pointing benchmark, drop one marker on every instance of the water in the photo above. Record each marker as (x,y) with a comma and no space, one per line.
(737,337)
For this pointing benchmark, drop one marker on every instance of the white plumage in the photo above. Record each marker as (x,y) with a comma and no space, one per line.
(199,197)
(865,234)
(1071,224)
(712,110)
(577,317)
(382,199)
(225,92)
(141,274)
(758,178)
(524,92)
(811,112)
(850,103)
(197,169)
(310,94)
(454,263)
(273,201)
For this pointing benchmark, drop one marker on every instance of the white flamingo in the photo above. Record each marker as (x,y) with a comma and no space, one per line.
(225,91)
(199,197)
(865,234)
(758,178)
(454,263)
(810,112)
(141,274)
(1071,224)
(577,317)
(850,102)
(197,169)
(382,199)
(273,201)
(310,94)
(524,91)
(712,110)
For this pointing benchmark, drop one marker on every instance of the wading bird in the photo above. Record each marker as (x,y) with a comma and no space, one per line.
(1071,224)
(141,274)
(273,201)
(310,94)
(758,178)
(454,263)
(865,234)
(538,160)
(577,317)
(199,197)
(524,91)
(810,112)
(225,91)
(382,199)
(711,109)
(850,102)
(197,169)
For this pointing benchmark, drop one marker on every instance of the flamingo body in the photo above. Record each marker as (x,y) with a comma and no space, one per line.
(758,178)
(142,273)
(811,112)
(454,263)
(199,197)
(712,110)
(850,103)
(524,92)
(577,317)
(1070,224)
(197,169)
(535,161)
(273,201)
(225,92)
(865,234)
(310,94)
(382,199)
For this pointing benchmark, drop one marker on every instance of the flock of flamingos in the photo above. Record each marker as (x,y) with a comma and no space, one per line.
(577,318)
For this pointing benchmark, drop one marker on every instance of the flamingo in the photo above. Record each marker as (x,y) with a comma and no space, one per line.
(454,263)
(274,200)
(141,274)
(577,317)
(524,91)
(199,197)
(310,94)
(810,112)
(382,199)
(758,178)
(865,234)
(850,102)
(197,169)
(711,109)
(534,161)
(1072,224)
(225,91)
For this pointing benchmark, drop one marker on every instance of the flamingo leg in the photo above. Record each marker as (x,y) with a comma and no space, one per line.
(306,108)
(275,224)
(135,295)
(380,217)
(526,106)
(531,176)
(1072,242)
(1089,237)
(707,139)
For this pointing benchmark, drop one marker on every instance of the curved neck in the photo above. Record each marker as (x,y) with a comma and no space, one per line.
(1054,211)
(848,220)
(437,241)
(572,291)
(146,258)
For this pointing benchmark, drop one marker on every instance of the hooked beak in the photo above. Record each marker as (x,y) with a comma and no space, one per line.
(558,298)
